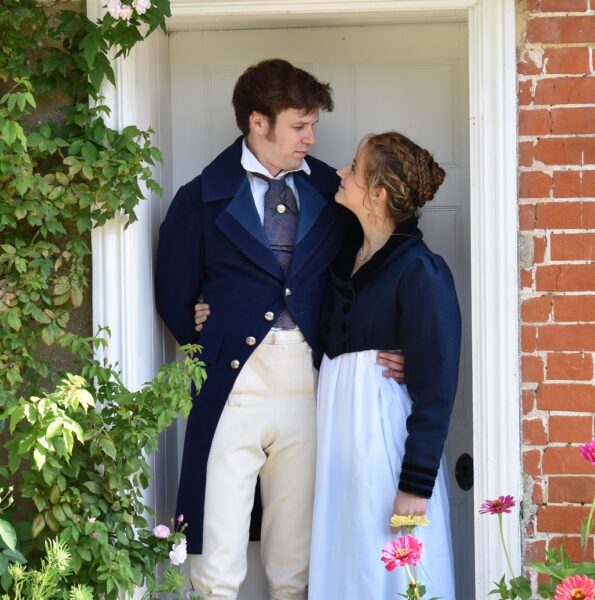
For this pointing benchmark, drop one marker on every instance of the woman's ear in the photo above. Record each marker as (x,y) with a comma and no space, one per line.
(379,194)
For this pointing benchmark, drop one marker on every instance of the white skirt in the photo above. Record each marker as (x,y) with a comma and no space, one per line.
(361,439)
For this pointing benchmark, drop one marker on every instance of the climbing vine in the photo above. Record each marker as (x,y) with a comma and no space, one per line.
(76,443)
(60,179)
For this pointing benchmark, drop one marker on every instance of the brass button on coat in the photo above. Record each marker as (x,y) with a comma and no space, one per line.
(269,315)
(287,292)
(235,364)
(281,208)
(250,340)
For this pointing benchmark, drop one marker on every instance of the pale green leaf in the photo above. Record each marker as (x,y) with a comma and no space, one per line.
(39,458)
(8,534)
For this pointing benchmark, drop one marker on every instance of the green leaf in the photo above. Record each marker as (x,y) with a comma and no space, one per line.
(13,320)
(22,184)
(83,223)
(39,458)
(3,563)
(108,447)
(54,428)
(90,45)
(89,152)
(587,526)
(55,494)
(20,212)
(87,172)
(68,440)
(56,192)
(12,100)
(96,77)
(58,513)
(93,487)
(76,296)
(8,534)
(14,555)
(62,179)
(6,581)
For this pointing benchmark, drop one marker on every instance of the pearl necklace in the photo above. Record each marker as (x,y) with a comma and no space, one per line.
(361,257)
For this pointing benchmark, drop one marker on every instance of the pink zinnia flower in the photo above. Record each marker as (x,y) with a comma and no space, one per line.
(502,504)
(588,451)
(161,531)
(404,551)
(576,588)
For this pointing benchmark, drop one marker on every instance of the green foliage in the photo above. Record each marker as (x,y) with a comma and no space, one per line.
(89,467)
(79,442)
(557,567)
(44,583)
(8,536)
(520,587)
(60,179)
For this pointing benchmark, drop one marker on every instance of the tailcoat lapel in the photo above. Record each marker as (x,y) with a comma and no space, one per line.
(240,223)
(316,218)
(225,178)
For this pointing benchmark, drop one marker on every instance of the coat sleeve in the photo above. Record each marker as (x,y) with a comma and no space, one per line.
(179,270)
(430,334)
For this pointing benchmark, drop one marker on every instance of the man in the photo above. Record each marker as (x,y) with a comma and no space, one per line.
(253,235)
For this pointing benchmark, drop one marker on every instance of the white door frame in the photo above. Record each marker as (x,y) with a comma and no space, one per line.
(122,272)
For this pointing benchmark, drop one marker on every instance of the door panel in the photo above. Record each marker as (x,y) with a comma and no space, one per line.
(411,78)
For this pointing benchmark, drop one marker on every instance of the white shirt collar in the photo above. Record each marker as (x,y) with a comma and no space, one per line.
(252,165)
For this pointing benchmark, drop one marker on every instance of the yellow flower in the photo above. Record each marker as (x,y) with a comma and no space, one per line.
(409,521)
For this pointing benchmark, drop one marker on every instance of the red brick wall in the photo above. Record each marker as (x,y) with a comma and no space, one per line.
(556,95)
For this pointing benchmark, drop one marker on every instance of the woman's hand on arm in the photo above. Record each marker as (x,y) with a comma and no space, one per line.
(408,504)
(201,314)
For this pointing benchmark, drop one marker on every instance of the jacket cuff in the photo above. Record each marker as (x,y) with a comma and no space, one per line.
(417,480)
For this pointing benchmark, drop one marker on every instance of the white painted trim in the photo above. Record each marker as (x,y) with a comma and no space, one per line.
(232,14)
(493,226)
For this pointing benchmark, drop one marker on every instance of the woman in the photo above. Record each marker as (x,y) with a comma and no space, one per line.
(380,444)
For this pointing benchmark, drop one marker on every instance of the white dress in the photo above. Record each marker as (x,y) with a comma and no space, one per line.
(361,438)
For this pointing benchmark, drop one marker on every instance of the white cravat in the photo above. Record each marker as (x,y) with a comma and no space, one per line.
(260,186)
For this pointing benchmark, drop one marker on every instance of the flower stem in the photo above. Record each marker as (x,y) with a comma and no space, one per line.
(588,527)
(413,582)
(504,544)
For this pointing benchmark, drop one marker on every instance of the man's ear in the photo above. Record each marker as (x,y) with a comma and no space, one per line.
(259,123)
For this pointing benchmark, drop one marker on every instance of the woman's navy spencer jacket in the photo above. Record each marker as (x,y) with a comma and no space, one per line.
(212,244)
(404,297)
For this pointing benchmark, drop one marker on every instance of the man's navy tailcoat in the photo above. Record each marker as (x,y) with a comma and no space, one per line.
(212,244)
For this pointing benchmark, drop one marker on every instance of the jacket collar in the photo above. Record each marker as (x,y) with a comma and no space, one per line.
(223,177)
(404,235)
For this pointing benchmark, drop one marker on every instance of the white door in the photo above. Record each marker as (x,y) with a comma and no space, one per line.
(411,78)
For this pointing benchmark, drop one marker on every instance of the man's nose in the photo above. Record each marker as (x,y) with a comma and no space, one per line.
(310,137)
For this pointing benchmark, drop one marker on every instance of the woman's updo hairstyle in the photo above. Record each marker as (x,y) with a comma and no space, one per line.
(407,172)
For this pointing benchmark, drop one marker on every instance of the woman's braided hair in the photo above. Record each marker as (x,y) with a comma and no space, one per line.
(407,172)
